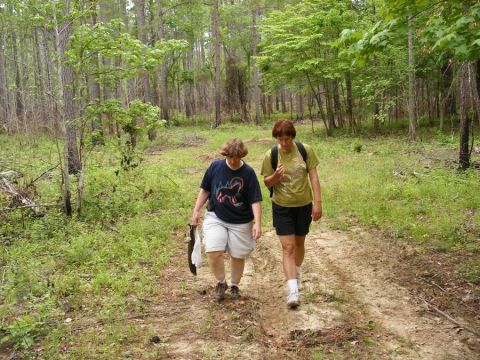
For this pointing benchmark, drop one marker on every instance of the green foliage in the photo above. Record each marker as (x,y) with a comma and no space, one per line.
(22,332)
(448,26)
(297,45)
(111,40)
(96,265)
(456,30)
(138,118)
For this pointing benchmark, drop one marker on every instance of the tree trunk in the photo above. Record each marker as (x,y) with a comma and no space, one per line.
(18,83)
(129,93)
(412,133)
(218,91)
(283,101)
(318,97)
(263,102)
(464,153)
(329,103)
(28,118)
(93,84)
(4,116)
(256,87)
(203,84)
(163,75)
(49,83)
(67,107)
(107,82)
(376,107)
(144,77)
(188,85)
(39,82)
(336,104)
(348,84)
(299,107)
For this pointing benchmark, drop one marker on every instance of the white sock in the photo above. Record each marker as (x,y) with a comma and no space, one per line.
(292,285)
(221,281)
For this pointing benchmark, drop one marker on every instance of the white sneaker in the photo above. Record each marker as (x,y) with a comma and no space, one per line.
(293,300)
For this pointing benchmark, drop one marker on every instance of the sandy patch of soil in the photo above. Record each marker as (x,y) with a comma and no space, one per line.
(353,306)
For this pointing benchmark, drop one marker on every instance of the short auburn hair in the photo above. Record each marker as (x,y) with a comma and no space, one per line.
(235,148)
(284,128)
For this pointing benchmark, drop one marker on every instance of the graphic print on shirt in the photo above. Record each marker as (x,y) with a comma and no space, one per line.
(293,172)
(230,191)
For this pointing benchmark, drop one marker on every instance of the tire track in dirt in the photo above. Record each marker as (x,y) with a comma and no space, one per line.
(405,330)
(323,323)
(350,309)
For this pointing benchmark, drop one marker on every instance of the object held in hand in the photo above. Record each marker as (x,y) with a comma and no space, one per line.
(194,250)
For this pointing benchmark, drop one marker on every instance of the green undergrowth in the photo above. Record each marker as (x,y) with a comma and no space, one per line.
(59,274)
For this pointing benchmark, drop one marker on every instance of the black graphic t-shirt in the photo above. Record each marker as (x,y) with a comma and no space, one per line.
(232,192)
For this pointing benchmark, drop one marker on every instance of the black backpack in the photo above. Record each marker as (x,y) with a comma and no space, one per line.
(274,158)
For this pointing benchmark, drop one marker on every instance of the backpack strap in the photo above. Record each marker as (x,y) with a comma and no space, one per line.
(302,151)
(274,162)
(274,158)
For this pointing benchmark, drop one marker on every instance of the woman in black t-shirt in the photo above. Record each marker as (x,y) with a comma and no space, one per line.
(233,219)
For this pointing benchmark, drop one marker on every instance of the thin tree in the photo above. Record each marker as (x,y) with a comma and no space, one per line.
(145,80)
(218,93)
(163,67)
(67,108)
(464,153)
(4,120)
(256,88)
(412,134)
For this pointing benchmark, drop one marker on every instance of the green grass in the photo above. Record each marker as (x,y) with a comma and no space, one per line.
(89,267)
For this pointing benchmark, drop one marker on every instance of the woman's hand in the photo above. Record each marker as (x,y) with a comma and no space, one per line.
(317,197)
(279,173)
(276,177)
(316,211)
(256,231)
(195,218)
(201,200)
(257,222)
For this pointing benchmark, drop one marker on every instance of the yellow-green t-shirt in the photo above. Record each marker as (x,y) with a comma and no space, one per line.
(294,189)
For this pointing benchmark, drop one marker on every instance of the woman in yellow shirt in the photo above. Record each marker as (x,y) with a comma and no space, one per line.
(293,204)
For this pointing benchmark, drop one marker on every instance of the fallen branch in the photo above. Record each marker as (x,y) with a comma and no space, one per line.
(9,188)
(449,318)
(39,176)
(29,207)
(454,295)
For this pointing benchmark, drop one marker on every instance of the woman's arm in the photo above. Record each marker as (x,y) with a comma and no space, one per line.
(257,215)
(317,195)
(275,178)
(201,200)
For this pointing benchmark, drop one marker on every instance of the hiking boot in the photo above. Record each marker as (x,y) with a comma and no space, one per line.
(235,292)
(293,300)
(220,291)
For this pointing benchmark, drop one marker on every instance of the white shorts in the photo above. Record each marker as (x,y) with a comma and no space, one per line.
(222,236)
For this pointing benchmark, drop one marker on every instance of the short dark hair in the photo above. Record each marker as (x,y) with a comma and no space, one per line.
(284,128)
(235,148)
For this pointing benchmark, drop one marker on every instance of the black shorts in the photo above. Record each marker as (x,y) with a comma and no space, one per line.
(292,220)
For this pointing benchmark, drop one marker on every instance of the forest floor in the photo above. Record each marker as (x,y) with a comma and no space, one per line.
(360,300)
(366,295)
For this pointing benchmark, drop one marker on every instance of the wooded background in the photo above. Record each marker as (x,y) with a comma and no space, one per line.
(110,112)
(86,70)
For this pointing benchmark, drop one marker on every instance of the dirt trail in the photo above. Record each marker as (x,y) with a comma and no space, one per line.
(351,308)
